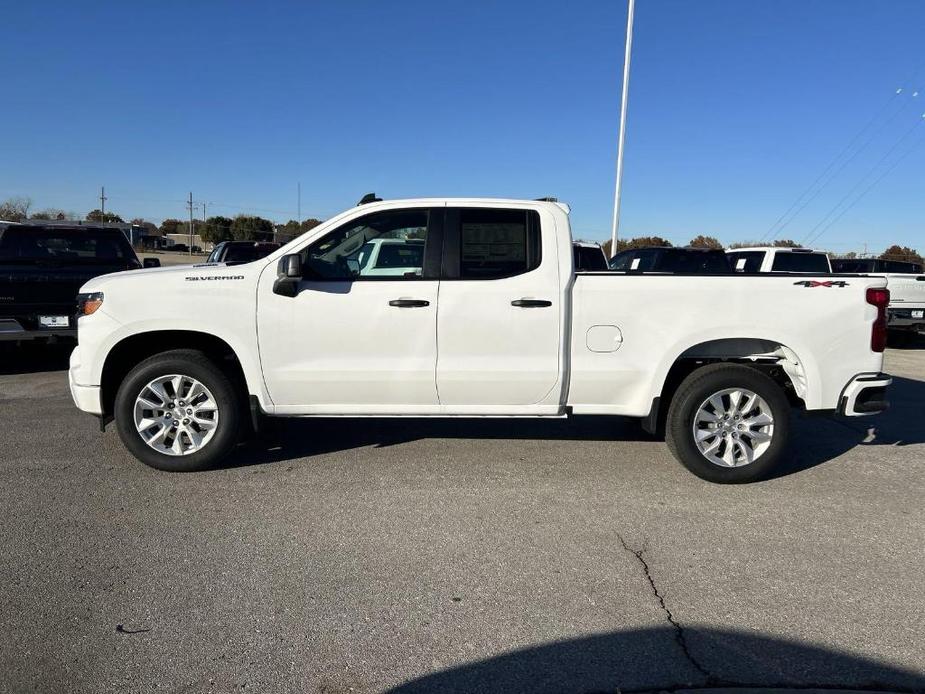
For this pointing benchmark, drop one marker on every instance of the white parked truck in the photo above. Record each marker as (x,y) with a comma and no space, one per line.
(778,259)
(906,283)
(494,322)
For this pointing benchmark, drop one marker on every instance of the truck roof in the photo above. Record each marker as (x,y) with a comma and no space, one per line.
(468,202)
(778,249)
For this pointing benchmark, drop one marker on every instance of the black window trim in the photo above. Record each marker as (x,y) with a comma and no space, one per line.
(433,247)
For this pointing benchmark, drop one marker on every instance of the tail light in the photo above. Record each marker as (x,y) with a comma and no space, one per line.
(879,298)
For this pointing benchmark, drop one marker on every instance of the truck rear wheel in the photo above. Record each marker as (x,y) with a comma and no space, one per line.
(728,423)
(177,411)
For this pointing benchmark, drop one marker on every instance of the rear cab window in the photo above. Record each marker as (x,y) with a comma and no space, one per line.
(791,261)
(65,245)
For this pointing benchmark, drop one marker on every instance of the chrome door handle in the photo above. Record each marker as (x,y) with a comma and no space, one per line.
(531,303)
(409,303)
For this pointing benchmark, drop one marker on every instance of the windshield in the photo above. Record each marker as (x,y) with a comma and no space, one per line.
(65,245)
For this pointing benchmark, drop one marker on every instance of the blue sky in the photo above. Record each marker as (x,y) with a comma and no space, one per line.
(736,106)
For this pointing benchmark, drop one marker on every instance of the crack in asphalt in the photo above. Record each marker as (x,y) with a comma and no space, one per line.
(711,680)
(718,683)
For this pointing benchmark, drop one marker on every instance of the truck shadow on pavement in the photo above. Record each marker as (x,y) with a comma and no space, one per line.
(815,439)
(668,659)
(34,358)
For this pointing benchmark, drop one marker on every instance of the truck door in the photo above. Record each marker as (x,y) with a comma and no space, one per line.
(498,324)
(361,334)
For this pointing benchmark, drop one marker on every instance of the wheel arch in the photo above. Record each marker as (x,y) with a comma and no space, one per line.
(773,357)
(133,349)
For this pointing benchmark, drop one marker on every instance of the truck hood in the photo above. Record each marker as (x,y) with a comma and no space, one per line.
(157,275)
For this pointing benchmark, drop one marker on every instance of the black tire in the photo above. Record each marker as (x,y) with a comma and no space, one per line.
(699,386)
(198,366)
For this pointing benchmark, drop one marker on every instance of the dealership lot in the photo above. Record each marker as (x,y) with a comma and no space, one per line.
(359,555)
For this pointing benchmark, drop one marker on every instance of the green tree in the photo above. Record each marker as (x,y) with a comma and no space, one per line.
(904,253)
(249,228)
(308,224)
(702,241)
(170,226)
(103,217)
(15,209)
(785,243)
(216,229)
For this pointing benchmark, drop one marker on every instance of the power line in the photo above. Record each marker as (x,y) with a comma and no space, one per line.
(773,231)
(866,190)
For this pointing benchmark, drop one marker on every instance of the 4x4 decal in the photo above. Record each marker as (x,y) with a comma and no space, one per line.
(817,283)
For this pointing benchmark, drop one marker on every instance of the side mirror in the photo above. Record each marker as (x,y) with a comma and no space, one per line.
(151,262)
(288,275)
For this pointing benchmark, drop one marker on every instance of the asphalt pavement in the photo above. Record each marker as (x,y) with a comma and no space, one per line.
(456,556)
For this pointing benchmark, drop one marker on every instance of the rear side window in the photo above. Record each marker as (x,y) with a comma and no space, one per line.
(496,243)
(854,265)
(801,262)
(746,261)
(900,266)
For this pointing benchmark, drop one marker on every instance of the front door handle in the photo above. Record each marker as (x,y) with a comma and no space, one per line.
(531,303)
(409,303)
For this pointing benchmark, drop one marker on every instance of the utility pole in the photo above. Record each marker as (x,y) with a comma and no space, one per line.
(190,205)
(620,140)
(103,200)
(298,213)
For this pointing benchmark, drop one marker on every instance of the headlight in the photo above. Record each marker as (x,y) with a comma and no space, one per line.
(87,304)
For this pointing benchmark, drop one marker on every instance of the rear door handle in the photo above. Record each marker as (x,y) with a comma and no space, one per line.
(531,303)
(409,303)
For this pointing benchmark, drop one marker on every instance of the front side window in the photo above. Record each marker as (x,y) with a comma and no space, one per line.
(377,246)
(496,243)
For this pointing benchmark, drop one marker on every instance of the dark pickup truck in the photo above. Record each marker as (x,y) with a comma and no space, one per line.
(41,270)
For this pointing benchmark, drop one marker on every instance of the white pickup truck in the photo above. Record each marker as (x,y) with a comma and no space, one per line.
(494,322)
(778,259)
(906,282)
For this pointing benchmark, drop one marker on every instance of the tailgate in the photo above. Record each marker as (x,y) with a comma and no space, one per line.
(906,289)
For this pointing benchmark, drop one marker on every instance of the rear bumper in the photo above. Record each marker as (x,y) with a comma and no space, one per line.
(907,318)
(11,330)
(864,395)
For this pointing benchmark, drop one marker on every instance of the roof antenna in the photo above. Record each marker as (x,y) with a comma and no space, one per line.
(368,198)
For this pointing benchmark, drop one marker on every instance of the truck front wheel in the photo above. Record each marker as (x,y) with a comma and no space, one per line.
(177,411)
(728,423)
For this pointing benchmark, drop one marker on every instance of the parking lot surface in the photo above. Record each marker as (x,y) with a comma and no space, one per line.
(364,555)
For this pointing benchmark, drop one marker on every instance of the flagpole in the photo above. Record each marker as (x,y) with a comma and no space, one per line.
(620,140)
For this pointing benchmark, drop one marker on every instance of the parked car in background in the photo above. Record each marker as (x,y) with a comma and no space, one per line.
(494,322)
(699,261)
(237,252)
(589,257)
(906,312)
(178,248)
(775,259)
(875,266)
(41,269)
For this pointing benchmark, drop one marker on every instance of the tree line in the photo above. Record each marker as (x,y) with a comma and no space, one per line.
(212,230)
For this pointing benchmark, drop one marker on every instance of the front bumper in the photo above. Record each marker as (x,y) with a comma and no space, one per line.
(87,398)
(864,395)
